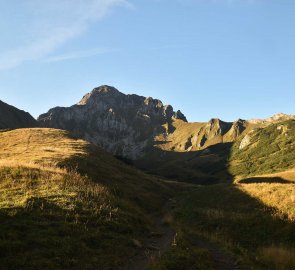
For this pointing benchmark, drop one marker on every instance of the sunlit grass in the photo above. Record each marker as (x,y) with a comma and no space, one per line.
(278,196)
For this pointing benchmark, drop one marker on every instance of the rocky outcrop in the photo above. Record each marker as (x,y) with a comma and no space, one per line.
(213,129)
(245,142)
(274,119)
(179,115)
(237,128)
(11,117)
(122,124)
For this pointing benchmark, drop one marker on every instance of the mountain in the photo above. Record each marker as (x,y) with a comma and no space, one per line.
(156,138)
(11,117)
(122,124)
(66,203)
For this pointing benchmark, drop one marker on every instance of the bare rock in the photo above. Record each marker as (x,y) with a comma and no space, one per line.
(245,142)
(122,124)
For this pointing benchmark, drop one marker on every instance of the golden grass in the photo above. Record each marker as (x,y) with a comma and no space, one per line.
(176,141)
(288,175)
(277,196)
(47,146)
(20,184)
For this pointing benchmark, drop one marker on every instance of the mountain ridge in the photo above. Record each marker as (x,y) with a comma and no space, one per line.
(127,124)
(12,117)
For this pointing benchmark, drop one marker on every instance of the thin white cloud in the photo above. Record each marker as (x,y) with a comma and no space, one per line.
(77,55)
(56,22)
(229,2)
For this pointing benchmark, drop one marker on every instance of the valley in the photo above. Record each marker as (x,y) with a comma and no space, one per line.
(124,182)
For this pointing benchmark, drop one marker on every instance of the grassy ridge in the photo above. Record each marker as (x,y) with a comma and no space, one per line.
(65,204)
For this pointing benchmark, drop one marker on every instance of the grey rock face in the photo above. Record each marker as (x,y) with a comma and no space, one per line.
(11,117)
(179,115)
(245,142)
(122,124)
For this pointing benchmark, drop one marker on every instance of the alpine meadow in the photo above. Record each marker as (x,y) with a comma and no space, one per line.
(115,179)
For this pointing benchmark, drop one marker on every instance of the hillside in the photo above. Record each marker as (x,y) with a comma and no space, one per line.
(66,204)
(264,150)
(11,117)
(258,149)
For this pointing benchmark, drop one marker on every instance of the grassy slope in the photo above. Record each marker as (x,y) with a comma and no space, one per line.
(180,133)
(254,221)
(169,158)
(53,217)
(271,150)
(245,220)
(63,220)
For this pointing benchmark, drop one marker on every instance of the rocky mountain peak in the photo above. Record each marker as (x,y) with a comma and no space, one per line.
(100,92)
(122,124)
(217,127)
(105,89)
(179,115)
(149,101)
(240,121)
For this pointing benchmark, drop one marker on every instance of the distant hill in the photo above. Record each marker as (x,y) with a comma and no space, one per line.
(11,117)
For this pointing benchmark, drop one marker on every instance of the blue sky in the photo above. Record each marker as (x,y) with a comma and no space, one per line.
(209,58)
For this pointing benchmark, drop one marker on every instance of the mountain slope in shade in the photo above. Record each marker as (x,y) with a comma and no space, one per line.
(11,117)
(88,218)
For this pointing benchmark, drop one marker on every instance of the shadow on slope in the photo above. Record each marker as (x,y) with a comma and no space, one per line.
(257,180)
(45,236)
(147,191)
(208,166)
(52,218)
(235,229)
(271,150)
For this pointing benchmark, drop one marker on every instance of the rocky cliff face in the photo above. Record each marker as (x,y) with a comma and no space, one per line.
(11,117)
(122,124)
